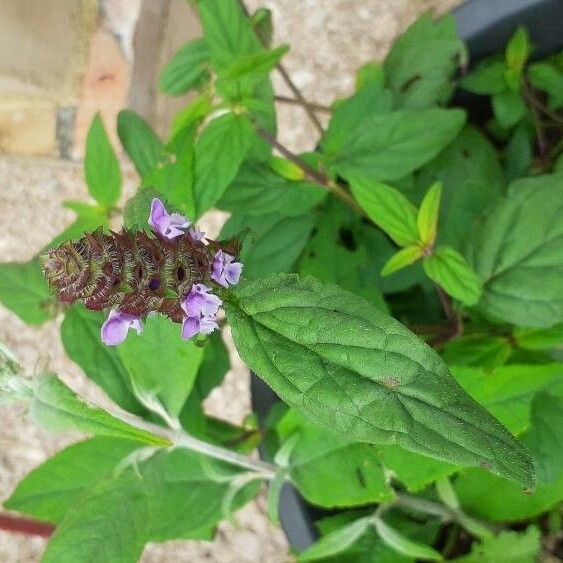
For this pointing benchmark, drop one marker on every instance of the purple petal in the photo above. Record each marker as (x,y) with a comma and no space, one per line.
(225,270)
(190,327)
(208,325)
(196,234)
(115,328)
(200,302)
(166,225)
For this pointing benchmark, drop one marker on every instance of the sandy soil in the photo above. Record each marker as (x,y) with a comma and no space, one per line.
(329,39)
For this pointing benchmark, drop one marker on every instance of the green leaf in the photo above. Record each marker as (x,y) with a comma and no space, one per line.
(538,339)
(273,500)
(80,334)
(487,352)
(87,221)
(262,23)
(286,169)
(507,391)
(422,62)
(390,146)
(427,218)
(137,209)
(520,257)
(160,363)
(228,33)
(507,547)
(516,54)
(405,257)
(57,408)
(449,269)
(24,291)
(260,63)
(487,78)
(139,141)
(547,77)
(389,209)
(404,545)
(101,168)
(497,499)
(191,114)
(329,470)
(338,252)
(329,354)
(187,70)
(110,523)
(50,490)
(337,541)
(257,190)
(519,153)
(472,179)
(274,243)
(509,108)
(219,153)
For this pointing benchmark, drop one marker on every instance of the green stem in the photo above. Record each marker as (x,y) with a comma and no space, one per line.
(296,102)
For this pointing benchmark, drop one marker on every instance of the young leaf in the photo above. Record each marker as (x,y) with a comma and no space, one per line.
(188,69)
(538,339)
(24,291)
(286,169)
(80,334)
(517,53)
(404,545)
(260,63)
(449,269)
(389,209)
(160,363)
(101,168)
(509,108)
(139,141)
(57,408)
(115,510)
(486,79)
(337,541)
(548,78)
(328,469)
(487,352)
(219,152)
(523,286)
(50,490)
(422,62)
(329,354)
(405,257)
(274,492)
(391,145)
(427,218)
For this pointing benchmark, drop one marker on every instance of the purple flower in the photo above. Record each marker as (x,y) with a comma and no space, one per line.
(196,234)
(165,224)
(116,326)
(225,271)
(201,308)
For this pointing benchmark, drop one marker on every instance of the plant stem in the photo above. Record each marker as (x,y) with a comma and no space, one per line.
(295,102)
(26,526)
(312,174)
(181,439)
(454,319)
(292,86)
(540,133)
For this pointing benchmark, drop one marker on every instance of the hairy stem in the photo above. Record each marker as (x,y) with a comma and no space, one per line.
(296,102)
(292,86)
(26,526)
(312,174)
(181,439)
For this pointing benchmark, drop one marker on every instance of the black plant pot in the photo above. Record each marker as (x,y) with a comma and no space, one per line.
(485,26)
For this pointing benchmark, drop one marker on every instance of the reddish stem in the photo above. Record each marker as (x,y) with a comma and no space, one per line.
(26,526)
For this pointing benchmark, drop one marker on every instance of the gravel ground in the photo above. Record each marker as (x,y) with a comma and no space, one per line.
(329,39)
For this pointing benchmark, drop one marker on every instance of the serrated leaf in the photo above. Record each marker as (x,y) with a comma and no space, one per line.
(405,257)
(188,69)
(24,291)
(329,470)
(404,545)
(389,209)
(80,334)
(354,370)
(337,541)
(160,363)
(422,61)
(50,490)
(520,257)
(389,146)
(449,269)
(57,408)
(219,153)
(139,141)
(427,218)
(101,168)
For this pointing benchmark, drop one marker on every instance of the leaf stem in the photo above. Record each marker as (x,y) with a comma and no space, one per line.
(533,103)
(454,319)
(26,526)
(312,174)
(296,102)
(181,439)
